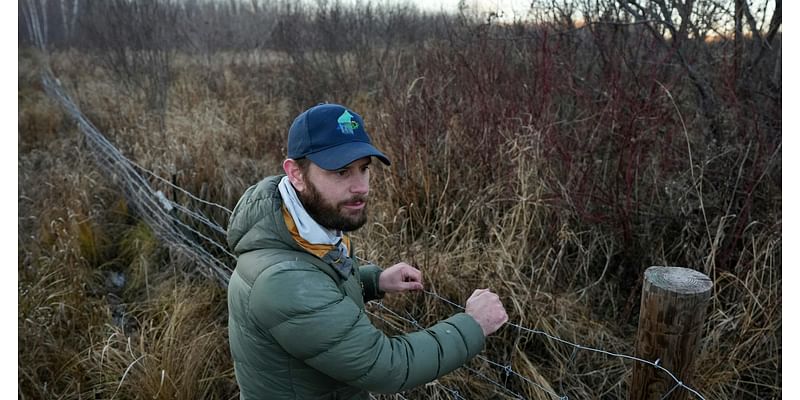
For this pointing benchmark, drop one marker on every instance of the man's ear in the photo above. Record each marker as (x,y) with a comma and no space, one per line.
(295,174)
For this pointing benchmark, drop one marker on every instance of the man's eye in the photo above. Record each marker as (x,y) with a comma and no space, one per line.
(342,172)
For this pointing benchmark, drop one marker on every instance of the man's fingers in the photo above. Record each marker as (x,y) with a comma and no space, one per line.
(401,277)
(407,286)
(487,309)
(413,275)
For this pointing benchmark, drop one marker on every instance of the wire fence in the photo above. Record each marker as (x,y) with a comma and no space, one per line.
(183,233)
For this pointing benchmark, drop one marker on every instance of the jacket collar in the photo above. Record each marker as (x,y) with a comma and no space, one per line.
(333,254)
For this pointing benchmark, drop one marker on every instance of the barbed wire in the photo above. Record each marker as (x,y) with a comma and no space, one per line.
(147,202)
(655,364)
(138,192)
(182,190)
(455,393)
(509,371)
(202,218)
(505,368)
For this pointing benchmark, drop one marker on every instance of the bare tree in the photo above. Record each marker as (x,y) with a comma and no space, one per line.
(136,41)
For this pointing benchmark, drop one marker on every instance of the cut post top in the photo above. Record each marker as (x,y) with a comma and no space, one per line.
(678,279)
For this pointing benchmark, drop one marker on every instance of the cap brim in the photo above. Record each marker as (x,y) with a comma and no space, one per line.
(338,157)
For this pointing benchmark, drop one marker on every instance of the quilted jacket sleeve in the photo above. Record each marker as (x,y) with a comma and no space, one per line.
(310,318)
(369,277)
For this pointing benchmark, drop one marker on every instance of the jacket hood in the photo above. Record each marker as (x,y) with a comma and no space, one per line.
(257,220)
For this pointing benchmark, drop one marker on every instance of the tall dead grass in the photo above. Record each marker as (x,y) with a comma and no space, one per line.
(509,173)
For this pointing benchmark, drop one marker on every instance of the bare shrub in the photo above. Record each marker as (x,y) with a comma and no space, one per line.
(136,43)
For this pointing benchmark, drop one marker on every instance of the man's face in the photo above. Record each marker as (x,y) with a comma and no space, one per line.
(337,199)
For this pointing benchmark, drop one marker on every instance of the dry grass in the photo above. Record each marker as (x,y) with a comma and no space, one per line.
(559,211)
(175,351)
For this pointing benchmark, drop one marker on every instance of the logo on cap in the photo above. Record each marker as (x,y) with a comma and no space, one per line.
(346,123)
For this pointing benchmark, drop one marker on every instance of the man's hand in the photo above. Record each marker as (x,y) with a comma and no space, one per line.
(400,278)
(487,310)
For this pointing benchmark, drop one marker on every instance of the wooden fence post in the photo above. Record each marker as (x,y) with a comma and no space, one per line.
(671,320)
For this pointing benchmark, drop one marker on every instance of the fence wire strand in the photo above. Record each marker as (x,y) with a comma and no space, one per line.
(654,364)
(505,368)
(453,392)
(138,191)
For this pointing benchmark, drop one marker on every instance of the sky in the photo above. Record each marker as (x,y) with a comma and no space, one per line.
(508,7)
(508,10)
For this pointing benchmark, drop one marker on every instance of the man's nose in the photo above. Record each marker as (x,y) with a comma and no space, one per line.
(360,184)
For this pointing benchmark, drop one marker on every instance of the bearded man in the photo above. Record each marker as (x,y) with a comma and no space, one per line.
(297,324)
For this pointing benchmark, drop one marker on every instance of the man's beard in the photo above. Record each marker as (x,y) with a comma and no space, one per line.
(332,216)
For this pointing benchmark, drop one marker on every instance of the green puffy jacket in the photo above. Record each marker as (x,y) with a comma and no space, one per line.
(298,329)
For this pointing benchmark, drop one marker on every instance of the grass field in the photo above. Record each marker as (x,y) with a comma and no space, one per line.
(553,166)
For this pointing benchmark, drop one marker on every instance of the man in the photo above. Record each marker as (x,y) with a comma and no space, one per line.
(297,324)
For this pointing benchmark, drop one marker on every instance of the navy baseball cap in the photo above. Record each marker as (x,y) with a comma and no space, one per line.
(332,136)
